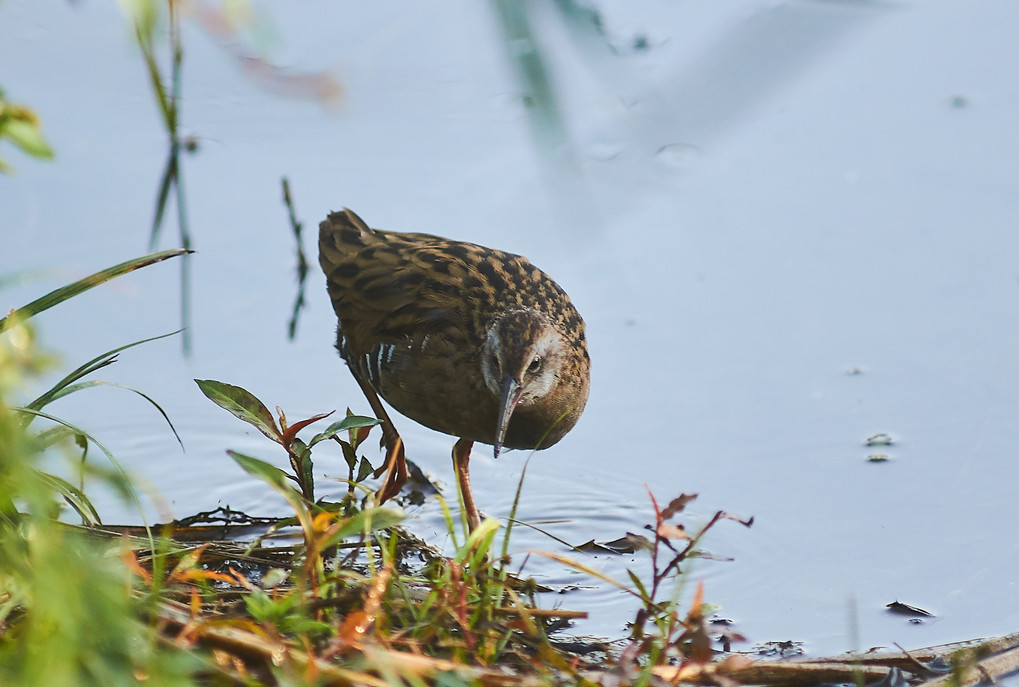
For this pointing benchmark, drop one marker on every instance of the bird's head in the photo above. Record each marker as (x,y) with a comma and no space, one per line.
(521,362)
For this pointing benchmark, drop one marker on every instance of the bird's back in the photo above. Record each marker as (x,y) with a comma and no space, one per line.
(414,311)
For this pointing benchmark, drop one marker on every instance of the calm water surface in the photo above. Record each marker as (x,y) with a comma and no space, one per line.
(789,225)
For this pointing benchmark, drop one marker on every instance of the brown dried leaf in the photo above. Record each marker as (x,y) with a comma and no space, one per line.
(638,542)
(677,505)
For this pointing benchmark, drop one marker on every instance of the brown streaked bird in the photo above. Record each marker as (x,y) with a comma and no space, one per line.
(464,339)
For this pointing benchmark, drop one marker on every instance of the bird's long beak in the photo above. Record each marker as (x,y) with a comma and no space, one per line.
(508,400)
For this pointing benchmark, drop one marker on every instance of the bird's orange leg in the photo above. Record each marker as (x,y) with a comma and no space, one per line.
(461,465)
(395,465)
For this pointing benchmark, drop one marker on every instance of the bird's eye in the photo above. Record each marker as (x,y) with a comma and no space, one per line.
(534,366)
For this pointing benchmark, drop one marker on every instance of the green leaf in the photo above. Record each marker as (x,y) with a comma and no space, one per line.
(362,522)
(267,472)
(349,422)
(278,480)
(242,404)
(363,470)
(639,586)
(264,608)
(28,136)
(304,467)
(71,290)
(349,454)
(479,542)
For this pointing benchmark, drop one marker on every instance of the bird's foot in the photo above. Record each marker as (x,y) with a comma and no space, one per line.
(394,467)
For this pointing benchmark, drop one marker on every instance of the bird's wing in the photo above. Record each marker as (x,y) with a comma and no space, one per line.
(385,287)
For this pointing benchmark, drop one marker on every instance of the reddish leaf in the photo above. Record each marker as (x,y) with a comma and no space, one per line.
(291,431)
(362,434)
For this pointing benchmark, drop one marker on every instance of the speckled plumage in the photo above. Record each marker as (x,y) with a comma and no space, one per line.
(430,324)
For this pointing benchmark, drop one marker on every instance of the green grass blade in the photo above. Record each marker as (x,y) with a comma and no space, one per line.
(74,496)
(100,361)
(447,515)
(98,382)
(546,533)
(124,483)
(71,290)
(51,436)
(513,511)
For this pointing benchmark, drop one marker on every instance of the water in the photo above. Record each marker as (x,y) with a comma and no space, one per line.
(789,225)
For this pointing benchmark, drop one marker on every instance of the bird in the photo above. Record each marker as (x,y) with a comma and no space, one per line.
(470,341)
